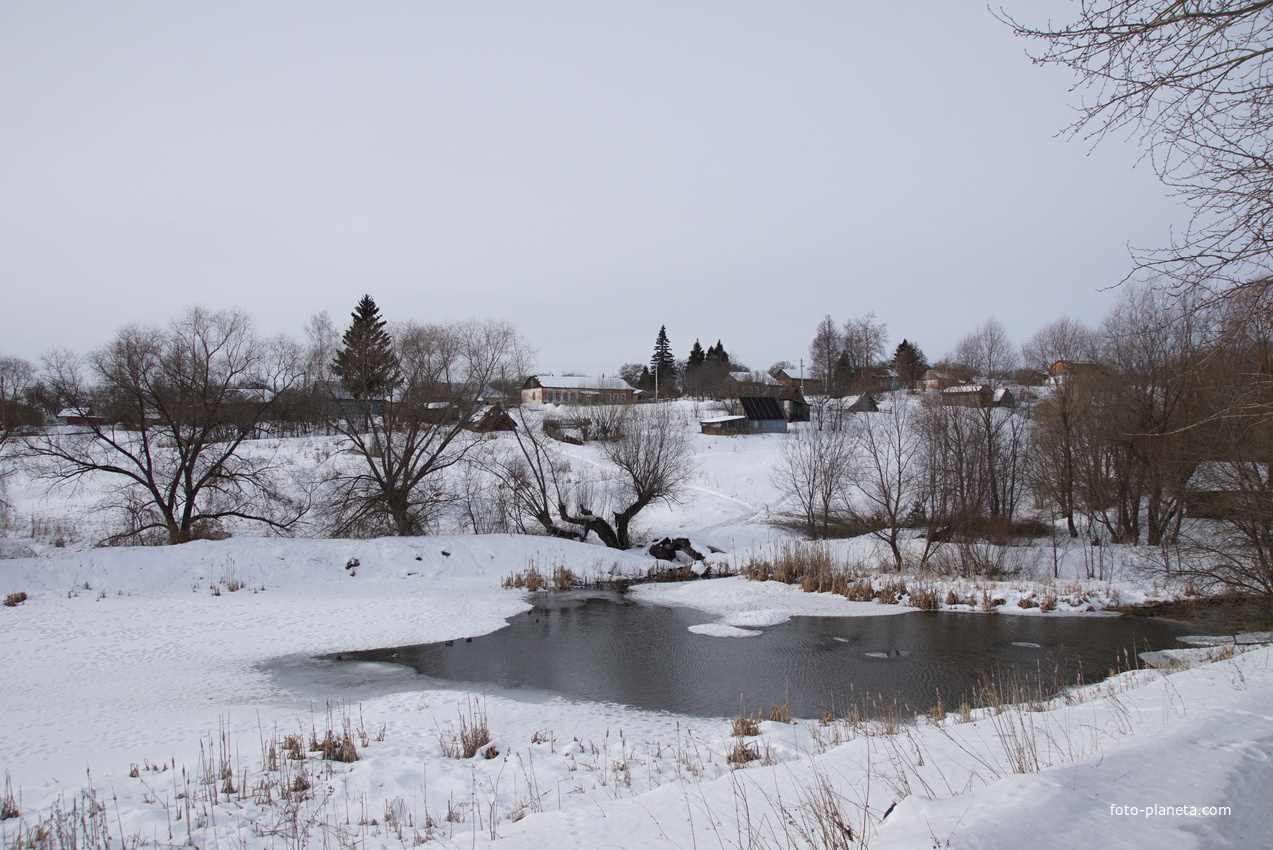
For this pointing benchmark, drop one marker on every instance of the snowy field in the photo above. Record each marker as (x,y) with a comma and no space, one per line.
(142,704)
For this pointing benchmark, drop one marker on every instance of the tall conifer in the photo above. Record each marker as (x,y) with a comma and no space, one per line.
(365,362)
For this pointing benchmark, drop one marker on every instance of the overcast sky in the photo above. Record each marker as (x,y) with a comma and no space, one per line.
(589,171)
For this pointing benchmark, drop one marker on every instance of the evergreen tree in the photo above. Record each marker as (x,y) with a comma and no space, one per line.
(365,362)
(909,363)
(697,356)
(716,368)
(694,369)
(663,364)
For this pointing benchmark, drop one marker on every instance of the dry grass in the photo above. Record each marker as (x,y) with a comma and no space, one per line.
(743,727)
(860,591)
(536,577)
(742,752)
(8,803)
(335,745)
(891,591)
(809,564)
(924,597)
(528,579)
(470,737)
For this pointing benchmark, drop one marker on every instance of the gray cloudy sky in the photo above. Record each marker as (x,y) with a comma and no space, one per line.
(588,171)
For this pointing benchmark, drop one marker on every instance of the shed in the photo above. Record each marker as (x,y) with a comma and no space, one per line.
(764,414)
(79,416)
(722,425)
(493,418)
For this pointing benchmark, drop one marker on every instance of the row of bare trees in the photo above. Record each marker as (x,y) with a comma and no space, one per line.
(1156,430)
(169,415)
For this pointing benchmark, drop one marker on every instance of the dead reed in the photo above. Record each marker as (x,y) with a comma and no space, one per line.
(471,736)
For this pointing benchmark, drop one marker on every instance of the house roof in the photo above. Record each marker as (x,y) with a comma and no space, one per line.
(715,420)
(754,378)
(578,382)
(762,408)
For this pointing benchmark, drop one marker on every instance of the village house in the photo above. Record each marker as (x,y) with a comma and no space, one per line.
(576,389)
(739,384)
(1074,370)
(934,380)
(977,395)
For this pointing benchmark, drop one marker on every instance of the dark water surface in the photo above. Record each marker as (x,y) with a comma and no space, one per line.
(610,647)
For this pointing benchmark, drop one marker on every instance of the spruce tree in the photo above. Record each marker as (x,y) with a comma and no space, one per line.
(365,362)
(696,358)
(909,363)
(718,357)
(663,364)
(694,369)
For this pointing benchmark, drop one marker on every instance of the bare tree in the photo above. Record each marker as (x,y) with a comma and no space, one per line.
(1152,341)
(813,469)
(180,401)
(1066,339)
(890,479)
(864,339)
(405,439)
(654,460)
(530,468)
(17,376)
(976,452)
(1194,81)
(988,352)
(1064,411)
(824,353)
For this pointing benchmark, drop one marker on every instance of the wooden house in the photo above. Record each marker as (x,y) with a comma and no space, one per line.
(576,389)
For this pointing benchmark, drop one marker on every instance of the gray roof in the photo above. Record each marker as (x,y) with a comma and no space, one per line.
(762,408)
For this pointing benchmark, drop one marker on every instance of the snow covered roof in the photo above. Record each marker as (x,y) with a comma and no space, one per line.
(581,382)
(716,420)
(754,378)
(966,388)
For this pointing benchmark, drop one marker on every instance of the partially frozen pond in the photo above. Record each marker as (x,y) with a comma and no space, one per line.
(612,648)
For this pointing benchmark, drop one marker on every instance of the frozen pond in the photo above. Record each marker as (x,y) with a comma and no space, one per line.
(611,648)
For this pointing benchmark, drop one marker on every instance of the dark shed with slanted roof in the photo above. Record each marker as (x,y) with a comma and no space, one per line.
(764,414)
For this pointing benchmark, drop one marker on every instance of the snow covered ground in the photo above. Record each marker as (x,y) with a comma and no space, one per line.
(146,700)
